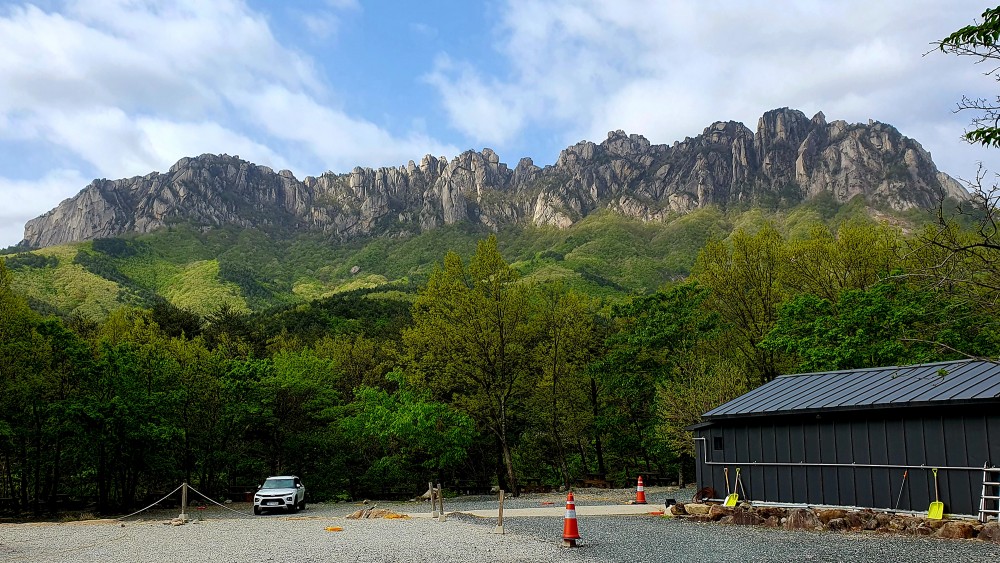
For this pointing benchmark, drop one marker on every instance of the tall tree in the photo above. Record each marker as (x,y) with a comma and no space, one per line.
(567,344)
(472,340)
(857,255)
(651,350)
(890,323)
(746,290)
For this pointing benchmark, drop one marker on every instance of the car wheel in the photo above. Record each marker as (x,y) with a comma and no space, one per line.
(302,505)
(256,511)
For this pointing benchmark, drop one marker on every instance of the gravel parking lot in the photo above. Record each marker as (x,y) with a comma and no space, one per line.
(225,536)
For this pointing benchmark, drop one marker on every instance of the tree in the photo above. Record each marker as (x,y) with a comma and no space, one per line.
(890,323)
(652,350)
(979,41)
(402,437)
(857,255)
(746,290)
(703,383)
(472,342)
(565,348)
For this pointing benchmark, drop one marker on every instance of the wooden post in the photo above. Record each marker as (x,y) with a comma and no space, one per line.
(434,506)
(441,517)
(184,502)
(499,528)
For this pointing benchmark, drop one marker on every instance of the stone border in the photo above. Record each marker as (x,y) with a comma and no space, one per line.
(838,520)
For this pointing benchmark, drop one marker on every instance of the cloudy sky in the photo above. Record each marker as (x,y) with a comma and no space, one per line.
(118,88)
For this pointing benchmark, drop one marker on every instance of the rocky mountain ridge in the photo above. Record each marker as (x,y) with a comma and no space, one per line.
(788,159)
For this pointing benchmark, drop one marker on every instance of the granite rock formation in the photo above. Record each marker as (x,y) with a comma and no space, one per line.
(790,158)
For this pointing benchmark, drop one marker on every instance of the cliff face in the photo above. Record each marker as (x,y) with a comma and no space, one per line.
(788,159)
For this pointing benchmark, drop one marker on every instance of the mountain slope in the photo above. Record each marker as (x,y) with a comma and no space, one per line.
(790,158)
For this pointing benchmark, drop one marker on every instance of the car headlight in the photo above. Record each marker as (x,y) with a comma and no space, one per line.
(289,498)
(256,499)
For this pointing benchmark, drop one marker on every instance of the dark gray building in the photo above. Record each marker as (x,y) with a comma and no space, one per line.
(845,438)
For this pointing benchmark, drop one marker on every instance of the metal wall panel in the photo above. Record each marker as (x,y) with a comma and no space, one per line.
(864,478)
(797,452)
(959,438)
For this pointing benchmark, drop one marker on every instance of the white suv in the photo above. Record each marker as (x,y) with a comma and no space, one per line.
(284,491)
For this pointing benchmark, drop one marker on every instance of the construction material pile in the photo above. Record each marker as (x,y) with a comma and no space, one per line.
(373,512)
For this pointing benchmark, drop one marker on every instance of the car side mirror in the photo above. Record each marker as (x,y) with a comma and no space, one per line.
(298,485)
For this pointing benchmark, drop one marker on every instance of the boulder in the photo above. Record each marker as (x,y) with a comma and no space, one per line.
(869,521)
(772,522)
(957,530)
(696,509)
(717,512)
(678,509)
(769,511)
(990,532)
(748,518)
(830,514)
(935,524)
(897,524)
(837,525)
(883,519)
(855,520)
(802,519)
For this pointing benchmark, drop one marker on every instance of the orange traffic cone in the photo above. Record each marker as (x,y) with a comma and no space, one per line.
(640,493)
(570,532)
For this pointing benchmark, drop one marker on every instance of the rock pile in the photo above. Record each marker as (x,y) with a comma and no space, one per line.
(838,520)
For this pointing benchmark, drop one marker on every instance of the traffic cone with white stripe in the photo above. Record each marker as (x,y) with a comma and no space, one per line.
(570,532)
(640,493)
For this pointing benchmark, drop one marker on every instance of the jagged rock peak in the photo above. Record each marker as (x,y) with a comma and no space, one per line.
(789,158)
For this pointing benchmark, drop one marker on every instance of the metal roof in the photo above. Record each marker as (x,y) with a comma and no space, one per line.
(959,381)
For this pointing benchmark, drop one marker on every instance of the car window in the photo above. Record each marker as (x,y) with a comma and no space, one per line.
(278,484)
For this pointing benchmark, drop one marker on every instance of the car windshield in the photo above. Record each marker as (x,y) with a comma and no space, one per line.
(278,484)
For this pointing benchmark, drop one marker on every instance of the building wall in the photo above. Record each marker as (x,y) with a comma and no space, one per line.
(966,437)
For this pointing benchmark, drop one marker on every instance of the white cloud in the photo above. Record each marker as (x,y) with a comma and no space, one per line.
(175,140)
(22,198)
(492,112)
(127,87)
(668,69)
(324,23)
(423,30)
(319,25)
(338,139)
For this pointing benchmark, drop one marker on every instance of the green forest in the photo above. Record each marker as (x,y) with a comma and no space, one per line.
(479,372)
(517,359)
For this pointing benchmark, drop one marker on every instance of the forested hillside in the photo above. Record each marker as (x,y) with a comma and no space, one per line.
(511,359)
(604,255)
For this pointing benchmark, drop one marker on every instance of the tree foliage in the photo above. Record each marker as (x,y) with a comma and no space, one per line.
(980,41)
(472,341)
(483,378)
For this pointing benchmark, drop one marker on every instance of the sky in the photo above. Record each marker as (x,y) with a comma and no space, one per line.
(119,88)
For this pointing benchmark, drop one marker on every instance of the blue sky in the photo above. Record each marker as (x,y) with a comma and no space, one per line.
(118,88)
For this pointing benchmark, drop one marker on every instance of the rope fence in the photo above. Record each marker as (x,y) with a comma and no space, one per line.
(165,497)
(184,487)
(213,501)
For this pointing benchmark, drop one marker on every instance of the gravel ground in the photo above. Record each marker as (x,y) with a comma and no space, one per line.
(225,536)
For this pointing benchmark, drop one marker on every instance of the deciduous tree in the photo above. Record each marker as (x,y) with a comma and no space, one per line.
(472,343)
